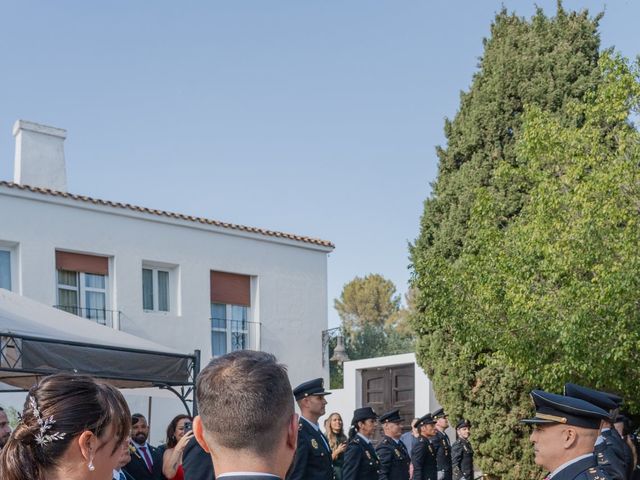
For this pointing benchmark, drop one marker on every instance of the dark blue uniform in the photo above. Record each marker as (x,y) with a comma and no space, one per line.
(462,460)
(313,459)
(394,460)
(443,455)
(360,460)
(610,454)
(423,458)
(585,469)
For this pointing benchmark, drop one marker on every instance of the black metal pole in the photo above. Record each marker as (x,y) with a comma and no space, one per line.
(196,371)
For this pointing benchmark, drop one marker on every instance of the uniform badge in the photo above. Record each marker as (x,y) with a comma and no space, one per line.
(397,453)
(314,443)
(368,454)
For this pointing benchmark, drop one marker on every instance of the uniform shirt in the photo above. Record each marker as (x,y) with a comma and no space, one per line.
(394,459)
(610,453)
(583,467)
(423,459)
(312,460)
(360,460)
(443,455)
(462,460)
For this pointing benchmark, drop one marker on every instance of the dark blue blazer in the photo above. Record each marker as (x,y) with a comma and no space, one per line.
(585,469)
(313,459)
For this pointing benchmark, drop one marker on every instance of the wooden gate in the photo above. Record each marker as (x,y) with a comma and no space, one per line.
(388,388)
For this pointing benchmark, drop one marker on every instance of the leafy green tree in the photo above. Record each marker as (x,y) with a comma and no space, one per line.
(520,272)
(370,300)
(373,322)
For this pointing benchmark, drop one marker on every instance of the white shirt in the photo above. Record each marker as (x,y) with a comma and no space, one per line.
(566,464)
(366,439)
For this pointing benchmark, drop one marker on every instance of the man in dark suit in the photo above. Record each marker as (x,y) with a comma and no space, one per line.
(247,420)
(146,461)
(393,455)
(196,463)
(313,454)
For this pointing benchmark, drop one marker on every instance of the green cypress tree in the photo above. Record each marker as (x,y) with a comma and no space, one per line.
(543,62)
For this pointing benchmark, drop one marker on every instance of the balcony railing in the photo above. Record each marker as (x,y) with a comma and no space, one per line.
(101,316)
(230,335)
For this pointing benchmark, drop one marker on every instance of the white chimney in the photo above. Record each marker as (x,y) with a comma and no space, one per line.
(39,160)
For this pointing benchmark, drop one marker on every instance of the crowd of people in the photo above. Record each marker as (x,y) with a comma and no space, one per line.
(73,427)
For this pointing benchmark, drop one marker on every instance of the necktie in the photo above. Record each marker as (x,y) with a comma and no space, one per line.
(147,458)
(122,477)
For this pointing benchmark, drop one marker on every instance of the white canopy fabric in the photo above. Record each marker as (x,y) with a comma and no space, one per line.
(37,340)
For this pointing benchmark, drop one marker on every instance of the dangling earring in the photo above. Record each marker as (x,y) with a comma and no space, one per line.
(91,466)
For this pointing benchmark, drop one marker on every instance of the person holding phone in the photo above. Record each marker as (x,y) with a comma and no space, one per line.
(334,431)
(179,432)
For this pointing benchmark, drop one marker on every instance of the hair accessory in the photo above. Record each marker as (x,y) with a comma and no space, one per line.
(46,424)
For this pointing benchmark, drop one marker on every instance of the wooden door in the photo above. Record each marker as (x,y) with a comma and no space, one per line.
(388,388)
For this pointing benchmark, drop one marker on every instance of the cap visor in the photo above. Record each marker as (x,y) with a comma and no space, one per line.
(535,420)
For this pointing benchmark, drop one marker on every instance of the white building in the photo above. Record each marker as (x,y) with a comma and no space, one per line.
(185,282)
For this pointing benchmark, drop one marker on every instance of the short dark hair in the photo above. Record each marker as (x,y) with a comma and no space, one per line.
(245,399)
(77,403)
(136,417)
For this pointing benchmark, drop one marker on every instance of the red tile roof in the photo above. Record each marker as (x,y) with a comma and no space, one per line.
(163,213)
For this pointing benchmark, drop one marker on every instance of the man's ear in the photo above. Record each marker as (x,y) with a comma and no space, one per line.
(198,432)
(86,443)
(569,437)
(292,432)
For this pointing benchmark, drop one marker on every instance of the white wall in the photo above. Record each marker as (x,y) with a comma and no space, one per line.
(346,400)
(289,293)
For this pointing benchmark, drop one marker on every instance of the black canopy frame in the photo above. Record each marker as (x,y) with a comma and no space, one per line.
(25,358)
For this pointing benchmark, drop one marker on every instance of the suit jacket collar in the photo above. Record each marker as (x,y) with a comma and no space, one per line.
(316,434)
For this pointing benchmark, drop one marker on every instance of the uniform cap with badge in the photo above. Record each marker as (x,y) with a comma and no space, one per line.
(362,414)
(463,423)
(391,417)
(440,413)
(425,420)
(607,401)
(310,387)
(554,408)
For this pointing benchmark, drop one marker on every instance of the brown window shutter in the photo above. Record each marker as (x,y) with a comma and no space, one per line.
(230,288)
(79,262)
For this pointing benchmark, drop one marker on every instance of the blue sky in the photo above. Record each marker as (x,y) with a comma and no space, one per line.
(313,117)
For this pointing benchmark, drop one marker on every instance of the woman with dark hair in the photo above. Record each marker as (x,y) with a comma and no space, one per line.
(360,459)
(333,428)
(72,428)
(178,435)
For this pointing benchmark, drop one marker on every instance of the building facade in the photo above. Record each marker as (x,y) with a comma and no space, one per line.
(184,282)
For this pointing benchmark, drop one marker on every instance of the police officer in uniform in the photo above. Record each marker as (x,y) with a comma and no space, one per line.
(610,447)
(393,455)
(443,446)
(565,430)
(462,453)
(423,455)
(360,459)
(313,454)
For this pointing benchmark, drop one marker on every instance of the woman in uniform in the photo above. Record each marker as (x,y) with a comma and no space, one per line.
(462,453)
(360,459)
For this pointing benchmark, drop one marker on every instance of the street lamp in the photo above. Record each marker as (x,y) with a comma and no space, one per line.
(340,352)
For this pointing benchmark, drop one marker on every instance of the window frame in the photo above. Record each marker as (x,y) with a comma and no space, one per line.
(11,254)
(228,329)
(81,289)
(155,290)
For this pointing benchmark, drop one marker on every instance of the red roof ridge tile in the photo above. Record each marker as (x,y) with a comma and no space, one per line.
(164,213)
